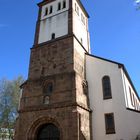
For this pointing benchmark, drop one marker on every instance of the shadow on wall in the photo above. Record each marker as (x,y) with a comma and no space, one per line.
(82,136)
(138,137)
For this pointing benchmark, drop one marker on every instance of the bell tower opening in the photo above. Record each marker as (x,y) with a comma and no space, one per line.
(48,132)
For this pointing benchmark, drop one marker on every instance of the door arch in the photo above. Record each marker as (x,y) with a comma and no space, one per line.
(48,132)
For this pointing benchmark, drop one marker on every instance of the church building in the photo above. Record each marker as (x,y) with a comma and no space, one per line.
(71,94)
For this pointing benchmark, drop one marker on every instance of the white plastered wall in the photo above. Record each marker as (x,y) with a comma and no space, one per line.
(80,30)
(127,123)
(56,22)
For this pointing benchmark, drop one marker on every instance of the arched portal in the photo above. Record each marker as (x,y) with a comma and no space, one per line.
(48,132)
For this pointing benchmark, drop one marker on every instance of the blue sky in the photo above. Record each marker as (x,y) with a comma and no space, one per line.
(114,27)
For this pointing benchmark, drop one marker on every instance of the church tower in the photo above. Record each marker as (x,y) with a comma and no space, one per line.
(54,104)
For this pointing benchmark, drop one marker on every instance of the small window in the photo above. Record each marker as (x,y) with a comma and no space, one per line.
(59,6)
(53,35)
(42,71)
(134,100)
(51,9)
(64,4)
(46,11)
(137,105)
(109,123)
(48,89)
(81,41)
(77,10)
(131,97)
(82,18)
(75,7)
(46,100)
(106,87)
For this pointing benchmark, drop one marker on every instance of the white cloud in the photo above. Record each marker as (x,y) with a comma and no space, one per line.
(137,1)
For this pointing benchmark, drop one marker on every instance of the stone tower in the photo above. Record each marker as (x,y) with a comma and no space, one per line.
(54,104)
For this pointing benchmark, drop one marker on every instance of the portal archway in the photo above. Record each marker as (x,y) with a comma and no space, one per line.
(48,132)
(42,124)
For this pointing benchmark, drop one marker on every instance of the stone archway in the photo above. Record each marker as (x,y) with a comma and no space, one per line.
(40,125)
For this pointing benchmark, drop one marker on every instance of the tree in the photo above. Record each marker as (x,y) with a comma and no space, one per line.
(9,99)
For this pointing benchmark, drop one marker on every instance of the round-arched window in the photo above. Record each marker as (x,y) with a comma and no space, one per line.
(106,87)
(48,89)
(48,132)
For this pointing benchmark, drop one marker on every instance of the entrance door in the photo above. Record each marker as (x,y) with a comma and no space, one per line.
(48,132)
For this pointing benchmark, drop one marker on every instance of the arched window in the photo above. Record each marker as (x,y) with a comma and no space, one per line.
(48,132)
(46,11)
(59,6)
(106,87)
(48,88)
(51,9)
(75,7)
(53,36)
(77,10)
(64,4)
(83,18)
(131,97)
